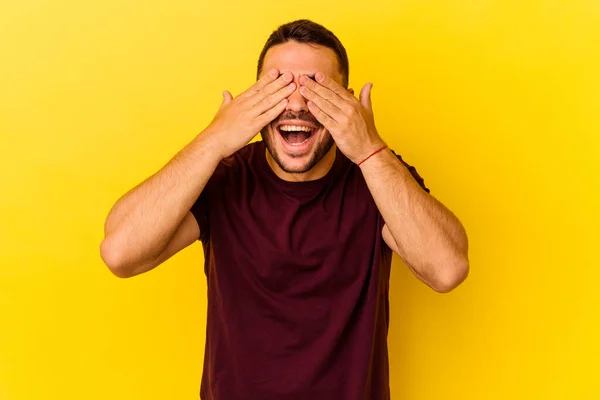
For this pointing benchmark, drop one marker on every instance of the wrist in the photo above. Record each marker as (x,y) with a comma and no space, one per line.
(373,152)
(208,145)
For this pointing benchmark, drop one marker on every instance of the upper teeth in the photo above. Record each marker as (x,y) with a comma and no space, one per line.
(295,128)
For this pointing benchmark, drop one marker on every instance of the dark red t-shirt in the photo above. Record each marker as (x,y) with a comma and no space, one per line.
(297,276)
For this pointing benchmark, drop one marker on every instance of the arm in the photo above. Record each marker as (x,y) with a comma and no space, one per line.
(152,222)
(419,228)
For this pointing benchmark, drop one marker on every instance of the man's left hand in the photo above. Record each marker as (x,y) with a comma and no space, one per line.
(349,120)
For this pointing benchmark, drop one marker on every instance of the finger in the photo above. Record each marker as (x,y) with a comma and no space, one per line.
(267,78)
(332,85)
(268,116)
(227,97)
(325,105)
(272,87)
(271,100)
(322,91)
(365,96)
(321,116)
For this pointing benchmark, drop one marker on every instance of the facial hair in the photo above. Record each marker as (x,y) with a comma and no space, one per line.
(322,148)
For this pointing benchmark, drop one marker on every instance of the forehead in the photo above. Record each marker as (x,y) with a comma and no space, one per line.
(302,59)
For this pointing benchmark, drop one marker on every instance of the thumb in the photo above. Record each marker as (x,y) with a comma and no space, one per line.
(365,96)
(227,97)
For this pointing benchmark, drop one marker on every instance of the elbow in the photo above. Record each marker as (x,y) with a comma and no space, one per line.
(451,276)
(113,257)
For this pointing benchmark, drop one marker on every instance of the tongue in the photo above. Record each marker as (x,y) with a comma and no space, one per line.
(296,137)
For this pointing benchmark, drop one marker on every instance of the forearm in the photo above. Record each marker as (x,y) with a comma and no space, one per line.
(141,223)
(427,235)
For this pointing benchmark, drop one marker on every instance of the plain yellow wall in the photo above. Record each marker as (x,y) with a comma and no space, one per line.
(497,103)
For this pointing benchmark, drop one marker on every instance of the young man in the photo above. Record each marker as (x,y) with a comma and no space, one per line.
(298,229)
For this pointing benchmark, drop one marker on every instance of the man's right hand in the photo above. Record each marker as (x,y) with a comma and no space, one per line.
(240,119)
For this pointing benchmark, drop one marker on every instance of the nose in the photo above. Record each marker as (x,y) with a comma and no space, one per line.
(296,102)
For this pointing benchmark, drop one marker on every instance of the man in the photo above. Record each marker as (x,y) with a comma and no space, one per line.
(298,229)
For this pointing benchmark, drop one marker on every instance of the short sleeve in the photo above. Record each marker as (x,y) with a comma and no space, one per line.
(203,204)
(413,172)
(200,211)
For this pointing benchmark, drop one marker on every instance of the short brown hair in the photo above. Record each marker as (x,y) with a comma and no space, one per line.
(305,31)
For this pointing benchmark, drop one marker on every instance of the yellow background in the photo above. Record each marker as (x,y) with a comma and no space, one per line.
(497,103)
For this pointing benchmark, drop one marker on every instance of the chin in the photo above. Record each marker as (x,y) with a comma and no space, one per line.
(295,148)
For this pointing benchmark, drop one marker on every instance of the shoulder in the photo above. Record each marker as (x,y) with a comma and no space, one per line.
(237,165)
(245,156)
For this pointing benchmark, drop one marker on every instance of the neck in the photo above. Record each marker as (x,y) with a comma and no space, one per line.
(316,172)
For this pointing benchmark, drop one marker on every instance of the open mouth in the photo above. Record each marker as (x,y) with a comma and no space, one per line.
(296,135)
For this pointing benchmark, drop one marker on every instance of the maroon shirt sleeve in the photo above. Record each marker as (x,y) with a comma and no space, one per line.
(200,212)
(200,209)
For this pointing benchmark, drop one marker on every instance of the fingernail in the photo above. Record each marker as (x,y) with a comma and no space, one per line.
(303,80)
(319,76)
(274,73)
(287,76)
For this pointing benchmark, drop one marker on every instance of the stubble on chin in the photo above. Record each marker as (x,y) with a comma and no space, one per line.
(317,155)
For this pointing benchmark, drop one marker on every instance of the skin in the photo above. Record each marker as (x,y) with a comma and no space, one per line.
(152,222)
(300,60)
(420,229)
